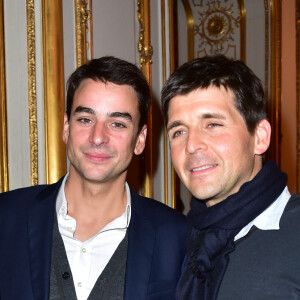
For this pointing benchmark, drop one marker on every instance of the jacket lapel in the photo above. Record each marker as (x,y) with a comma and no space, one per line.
(40,224)
(140,251)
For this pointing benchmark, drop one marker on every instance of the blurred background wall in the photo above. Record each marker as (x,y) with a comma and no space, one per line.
(43,41)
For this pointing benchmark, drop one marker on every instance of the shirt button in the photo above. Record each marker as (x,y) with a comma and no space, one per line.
(83,250)
(69,228)
(79,284)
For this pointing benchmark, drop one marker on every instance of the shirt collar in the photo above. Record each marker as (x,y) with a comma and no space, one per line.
(269,219)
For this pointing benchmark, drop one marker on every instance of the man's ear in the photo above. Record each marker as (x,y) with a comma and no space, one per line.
(262,137)
(141,141)
(65,132)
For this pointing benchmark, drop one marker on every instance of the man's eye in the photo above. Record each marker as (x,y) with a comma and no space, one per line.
(118,125)
(84,120)
(213,125)
(178,133)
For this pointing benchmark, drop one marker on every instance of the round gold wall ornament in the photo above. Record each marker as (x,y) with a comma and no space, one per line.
(216,26)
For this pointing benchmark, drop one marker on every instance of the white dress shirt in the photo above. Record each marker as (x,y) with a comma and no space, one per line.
(88,259)
(269,219)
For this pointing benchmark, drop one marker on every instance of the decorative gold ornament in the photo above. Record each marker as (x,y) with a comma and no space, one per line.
(216,26)
(144,48)
(33,131)
(146,51)
(82,17)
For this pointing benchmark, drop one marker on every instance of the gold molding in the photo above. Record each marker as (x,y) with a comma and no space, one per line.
(267,49)
(173,65)
(33,131)
(145,52)
(91,31)
(144,44)
(190,28)
(54,99)
(4,182)
(173,35)
(242,30)
(274,100)
(298,92)
(82,16)
(164,75)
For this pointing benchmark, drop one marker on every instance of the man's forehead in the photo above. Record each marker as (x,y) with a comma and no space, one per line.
(210,93)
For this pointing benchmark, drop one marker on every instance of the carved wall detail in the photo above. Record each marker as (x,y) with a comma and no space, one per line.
(33,131)
(146,51)
(215,28)
(82,19)
(144,48)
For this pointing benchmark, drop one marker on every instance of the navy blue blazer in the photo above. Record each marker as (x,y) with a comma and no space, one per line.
(156,246)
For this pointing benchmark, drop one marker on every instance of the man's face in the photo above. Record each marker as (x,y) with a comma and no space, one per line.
(101,135)
(212,151)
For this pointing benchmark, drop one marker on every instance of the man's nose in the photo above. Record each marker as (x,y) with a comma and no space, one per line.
(99,134)
(196,141)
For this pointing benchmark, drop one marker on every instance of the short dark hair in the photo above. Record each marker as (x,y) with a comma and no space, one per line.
(218,70)
(114,70)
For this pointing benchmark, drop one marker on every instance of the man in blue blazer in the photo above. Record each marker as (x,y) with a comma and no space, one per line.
(89,236)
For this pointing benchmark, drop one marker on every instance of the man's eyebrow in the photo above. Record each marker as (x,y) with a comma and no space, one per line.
(173,125)
(117,114)
(124,115)
(202,116)
(83,109)
(212,116)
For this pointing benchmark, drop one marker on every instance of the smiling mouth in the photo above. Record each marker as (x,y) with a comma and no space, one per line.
(97,156)
(203,168)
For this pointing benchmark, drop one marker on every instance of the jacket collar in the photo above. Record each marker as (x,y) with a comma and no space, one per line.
(140,251)
(40,224)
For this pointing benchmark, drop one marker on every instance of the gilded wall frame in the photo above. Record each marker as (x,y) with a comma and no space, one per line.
(32,104)
(273,55)
(54,99)
(4,178)
(145,54)
(83,31)
(164,76)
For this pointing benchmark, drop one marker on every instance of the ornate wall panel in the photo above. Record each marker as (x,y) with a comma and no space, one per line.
(216,26)
(55,159)
(4,184)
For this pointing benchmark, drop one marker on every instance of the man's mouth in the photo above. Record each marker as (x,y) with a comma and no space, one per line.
(97,156)
(204,168)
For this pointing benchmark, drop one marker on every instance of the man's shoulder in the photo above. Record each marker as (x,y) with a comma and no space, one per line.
(27,194)
(290,219)
(155,209)
(293,204)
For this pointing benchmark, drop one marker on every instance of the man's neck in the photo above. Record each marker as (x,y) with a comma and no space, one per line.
(94,205)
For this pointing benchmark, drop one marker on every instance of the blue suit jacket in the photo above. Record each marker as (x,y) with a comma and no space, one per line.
(156,246)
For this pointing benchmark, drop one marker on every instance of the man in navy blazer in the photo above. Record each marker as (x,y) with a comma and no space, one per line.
(89,236)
